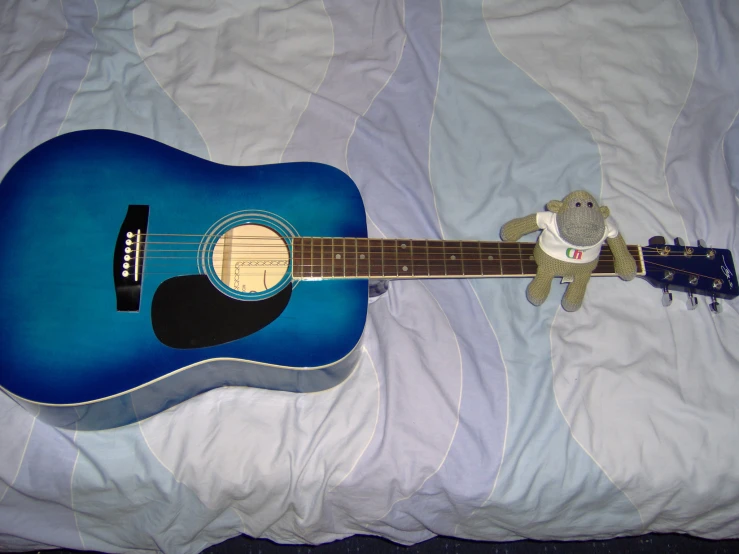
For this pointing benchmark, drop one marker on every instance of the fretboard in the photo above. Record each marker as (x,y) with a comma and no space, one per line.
(346,258)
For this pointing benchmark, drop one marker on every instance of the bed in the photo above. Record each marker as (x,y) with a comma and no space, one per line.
(470,413)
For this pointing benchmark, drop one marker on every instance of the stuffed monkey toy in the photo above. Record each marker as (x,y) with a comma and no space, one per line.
(573,231)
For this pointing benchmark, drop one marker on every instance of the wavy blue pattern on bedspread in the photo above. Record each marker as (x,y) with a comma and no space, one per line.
(471,413)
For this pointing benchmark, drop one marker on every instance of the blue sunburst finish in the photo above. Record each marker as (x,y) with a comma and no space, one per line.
(67,353)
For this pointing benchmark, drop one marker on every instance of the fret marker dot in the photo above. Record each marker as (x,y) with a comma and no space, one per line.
(453,257)
(405,268)
(361,256)
(490,257)
(402,245)
(338,256)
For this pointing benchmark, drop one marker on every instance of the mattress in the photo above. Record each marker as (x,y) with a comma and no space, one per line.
(470,413)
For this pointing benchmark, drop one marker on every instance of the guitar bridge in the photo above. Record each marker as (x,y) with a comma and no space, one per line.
(128,258)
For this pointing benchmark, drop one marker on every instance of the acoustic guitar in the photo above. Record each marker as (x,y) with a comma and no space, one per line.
(136,276)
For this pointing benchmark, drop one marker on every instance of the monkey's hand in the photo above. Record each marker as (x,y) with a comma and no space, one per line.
(516,228)
(624,262)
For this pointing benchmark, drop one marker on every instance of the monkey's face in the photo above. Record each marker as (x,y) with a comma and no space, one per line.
(580,220)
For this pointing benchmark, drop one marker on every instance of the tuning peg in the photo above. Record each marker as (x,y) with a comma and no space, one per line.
(692,301)
(657,241)
(702,243)
(679,242)
(666,296)
(715,306)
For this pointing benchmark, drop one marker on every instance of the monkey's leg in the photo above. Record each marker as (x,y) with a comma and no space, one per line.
(538,289)
(575,293)
(546,270)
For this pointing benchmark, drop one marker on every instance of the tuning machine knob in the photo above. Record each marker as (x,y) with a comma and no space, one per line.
(666,296)
(692,301)
(711,254)
(715,306)
(679,242)
(660,245)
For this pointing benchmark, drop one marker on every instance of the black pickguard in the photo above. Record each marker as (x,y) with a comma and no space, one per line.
(189,312)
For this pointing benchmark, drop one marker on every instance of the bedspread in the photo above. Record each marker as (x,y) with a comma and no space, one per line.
(471,413)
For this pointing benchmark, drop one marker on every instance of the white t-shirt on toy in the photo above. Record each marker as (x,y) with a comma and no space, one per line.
(554,245)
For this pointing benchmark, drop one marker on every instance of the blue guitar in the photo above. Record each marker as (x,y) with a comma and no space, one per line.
(136,276)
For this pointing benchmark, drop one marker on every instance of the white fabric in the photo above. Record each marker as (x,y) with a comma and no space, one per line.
(472,413)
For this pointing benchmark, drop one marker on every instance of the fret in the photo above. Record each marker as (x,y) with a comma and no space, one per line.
(376,258)
(420,254)
(527,259)
(606,263)
(343,252)
(520,258)
(298,258)
(373,258)
(435,258)
(637,253)
(337,269)
(311,261)
(413,269)
(453,258)
(325,262)
(390,253)
(362,246)
(471,259)
(404,258)
(490,258)
(510,259)
(350,258)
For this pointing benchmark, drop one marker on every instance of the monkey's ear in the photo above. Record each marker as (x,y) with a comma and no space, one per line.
(554,206)
(605,211)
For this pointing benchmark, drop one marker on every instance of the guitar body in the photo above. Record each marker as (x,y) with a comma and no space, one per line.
(85,348)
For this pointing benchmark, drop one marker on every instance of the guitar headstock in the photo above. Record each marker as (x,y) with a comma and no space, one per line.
(696,270)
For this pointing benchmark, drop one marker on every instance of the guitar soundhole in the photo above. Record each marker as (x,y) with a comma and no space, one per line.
(251,258)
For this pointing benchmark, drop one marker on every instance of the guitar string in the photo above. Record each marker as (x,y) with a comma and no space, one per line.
(385,242)
(281,237)
(381,274)
(410,257)
(314,268)
(415,257)
(351,257)
(417,244)
(447,246)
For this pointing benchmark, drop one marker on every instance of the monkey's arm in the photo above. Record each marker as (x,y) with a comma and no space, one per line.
(516,228)
(623,261)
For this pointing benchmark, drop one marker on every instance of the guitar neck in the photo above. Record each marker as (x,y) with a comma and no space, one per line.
(346,258)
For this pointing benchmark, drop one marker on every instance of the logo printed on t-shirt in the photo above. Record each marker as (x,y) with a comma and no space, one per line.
(574,254)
